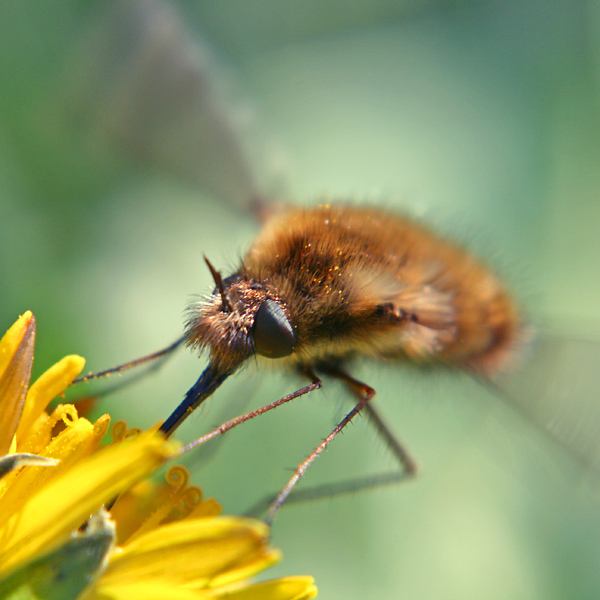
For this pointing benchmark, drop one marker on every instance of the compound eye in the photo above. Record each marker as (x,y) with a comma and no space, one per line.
(272,331)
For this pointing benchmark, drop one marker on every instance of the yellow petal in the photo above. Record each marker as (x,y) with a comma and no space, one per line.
(287,588)
(67,570)
(133,507)
(208,508)
(13,338)
(76,442)
(248,569)
(190,551)
(16,358)
(52,383)
(144,590)
(149,504)
(65,503)
(38,435)
(160,503)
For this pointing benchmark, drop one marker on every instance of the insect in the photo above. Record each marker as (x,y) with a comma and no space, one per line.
(321,286)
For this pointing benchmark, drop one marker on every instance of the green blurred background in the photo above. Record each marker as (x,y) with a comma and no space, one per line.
(482,118)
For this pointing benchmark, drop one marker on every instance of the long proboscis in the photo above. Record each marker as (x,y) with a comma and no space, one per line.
(207,384)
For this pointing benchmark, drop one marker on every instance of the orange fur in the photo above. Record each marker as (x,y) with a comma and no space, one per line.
(362,281)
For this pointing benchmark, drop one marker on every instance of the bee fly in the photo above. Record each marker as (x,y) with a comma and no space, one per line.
(321,286)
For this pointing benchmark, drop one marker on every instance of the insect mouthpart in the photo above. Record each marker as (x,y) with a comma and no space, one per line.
(236,321)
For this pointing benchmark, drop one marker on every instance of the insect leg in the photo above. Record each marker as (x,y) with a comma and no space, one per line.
(85,402)
(305,464)
(134,363)
(315,385)
(407,465)
(360,389)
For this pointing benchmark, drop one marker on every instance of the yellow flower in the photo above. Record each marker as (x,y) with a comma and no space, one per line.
(159,541)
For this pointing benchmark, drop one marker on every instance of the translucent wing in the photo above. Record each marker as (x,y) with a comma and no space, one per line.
(558,390)
(137,82)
